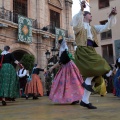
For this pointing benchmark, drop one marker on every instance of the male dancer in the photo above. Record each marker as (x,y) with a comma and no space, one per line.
(91,65)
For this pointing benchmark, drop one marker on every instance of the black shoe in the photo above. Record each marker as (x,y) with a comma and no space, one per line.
(89,106)
(35,98)
(87,87)
(83,104)
(3,103)
(26,97)
(12,99)
(75,102)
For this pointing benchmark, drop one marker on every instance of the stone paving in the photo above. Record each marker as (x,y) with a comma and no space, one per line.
(44,109)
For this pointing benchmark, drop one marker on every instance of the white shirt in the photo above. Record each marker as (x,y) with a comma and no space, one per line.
(78,23)
(22,74)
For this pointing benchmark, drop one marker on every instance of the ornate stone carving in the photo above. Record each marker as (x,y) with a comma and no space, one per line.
(56,3)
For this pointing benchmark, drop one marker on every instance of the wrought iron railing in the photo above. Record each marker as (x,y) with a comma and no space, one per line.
(13,17)
(51,29)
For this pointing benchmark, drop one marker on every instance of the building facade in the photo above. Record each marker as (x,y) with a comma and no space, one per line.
(45,16)
(109,41)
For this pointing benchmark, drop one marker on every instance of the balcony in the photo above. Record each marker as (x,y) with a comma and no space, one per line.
(51,29)
(13,17)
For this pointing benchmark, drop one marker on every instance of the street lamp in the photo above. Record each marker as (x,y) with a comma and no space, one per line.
(54,50)
(51,61)
(47,54)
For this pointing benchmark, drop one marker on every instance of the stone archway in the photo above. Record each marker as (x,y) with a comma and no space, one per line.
(18,54)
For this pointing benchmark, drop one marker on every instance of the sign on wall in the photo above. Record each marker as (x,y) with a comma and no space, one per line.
(117,48)
(59,32)
(24,29)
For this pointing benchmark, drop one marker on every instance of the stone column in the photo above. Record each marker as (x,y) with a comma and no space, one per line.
(68,6)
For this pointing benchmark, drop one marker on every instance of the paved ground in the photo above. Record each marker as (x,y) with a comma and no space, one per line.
(44,109)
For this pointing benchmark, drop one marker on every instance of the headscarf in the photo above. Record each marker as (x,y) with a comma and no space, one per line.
(63,47)
(6,50)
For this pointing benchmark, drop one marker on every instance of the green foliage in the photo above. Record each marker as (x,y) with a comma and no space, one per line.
(48,81)
(49,78)
(28,61)
(0,51)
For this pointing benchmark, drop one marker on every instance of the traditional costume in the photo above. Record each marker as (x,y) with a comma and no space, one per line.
(66,86)
(90,64)
(35,85)
(22,74)
(117,79)
(9,85)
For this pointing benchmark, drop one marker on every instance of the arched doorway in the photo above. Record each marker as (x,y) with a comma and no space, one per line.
(18,54)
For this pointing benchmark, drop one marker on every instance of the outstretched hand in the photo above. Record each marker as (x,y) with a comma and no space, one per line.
(83,5)
(113,11)
(50,70)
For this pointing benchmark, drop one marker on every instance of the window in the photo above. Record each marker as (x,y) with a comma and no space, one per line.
(105,35)
(103,3)
(20,7)
(54,21)
(107,51)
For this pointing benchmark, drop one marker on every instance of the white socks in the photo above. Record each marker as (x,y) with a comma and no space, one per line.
(87,93)
(109,73)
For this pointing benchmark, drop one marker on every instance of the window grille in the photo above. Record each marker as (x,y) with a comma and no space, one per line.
(106,35)
(20,7)
(54,21)
(103,3)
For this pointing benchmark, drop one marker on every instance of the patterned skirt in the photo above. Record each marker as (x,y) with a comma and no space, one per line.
(66,86)
(9,84)
(34,86)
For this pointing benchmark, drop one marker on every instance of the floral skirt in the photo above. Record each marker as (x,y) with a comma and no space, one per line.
(9,84)
(34,86)
(66,86)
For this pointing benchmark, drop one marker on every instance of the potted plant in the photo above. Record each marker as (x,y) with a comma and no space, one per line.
(28,61)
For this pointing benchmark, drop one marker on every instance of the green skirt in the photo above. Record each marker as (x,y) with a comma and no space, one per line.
(92,64)
(89,62)
(9,84)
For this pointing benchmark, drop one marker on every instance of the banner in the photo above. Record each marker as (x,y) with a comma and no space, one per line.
(24,29)
(59,32)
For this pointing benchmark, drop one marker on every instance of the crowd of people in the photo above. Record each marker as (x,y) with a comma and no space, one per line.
(73,82)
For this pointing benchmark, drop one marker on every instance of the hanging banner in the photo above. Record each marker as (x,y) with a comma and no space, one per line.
(59,32)
(24,29)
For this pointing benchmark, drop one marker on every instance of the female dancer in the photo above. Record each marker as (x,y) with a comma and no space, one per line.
(8,78)
(35,85)
(66,86)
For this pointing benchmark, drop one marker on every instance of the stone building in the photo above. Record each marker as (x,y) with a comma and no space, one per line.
(45,16)
(109,41)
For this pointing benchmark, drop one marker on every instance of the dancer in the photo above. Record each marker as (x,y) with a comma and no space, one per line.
(66,86)
(8,78)
(116,80)
(34,87)
(22,74)
(90,64)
